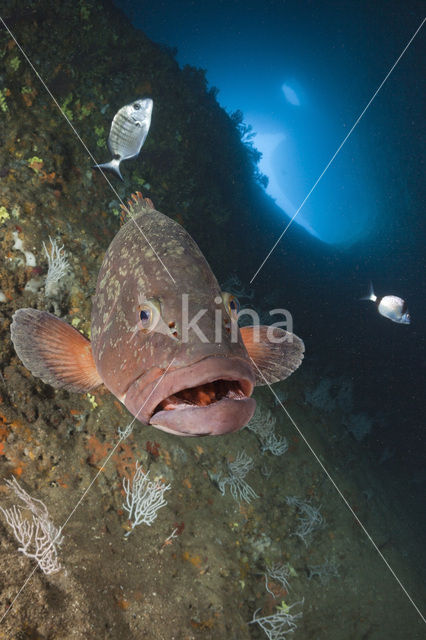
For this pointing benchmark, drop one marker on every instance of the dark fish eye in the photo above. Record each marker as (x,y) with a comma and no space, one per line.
(231,304)
(234,305)
(136,106)
(149,313)
(145,316)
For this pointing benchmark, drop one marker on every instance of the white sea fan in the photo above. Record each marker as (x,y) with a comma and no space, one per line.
(58,266)
(310,518)
(279,624)
(143,498)
(278,573)
(324,571)
(262,424)
(238,469)
(38,536)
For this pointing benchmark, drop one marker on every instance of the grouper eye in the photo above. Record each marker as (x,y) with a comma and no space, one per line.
(231,304)
(145,316)
(136,106)
(149,312)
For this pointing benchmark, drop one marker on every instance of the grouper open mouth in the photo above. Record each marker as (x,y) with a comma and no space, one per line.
(166,375)
(210,397)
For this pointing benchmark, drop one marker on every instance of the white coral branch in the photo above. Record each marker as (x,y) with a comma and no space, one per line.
(57,267)
(143,498)
(38,536)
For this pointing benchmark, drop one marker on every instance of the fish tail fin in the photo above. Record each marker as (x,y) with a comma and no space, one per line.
(371,295)
(54,351)
(135,204)
(112,165)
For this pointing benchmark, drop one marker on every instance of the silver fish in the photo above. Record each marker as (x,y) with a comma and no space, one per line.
(391,307)
(129,130)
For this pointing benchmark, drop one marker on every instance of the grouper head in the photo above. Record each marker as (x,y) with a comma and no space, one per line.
(165,338)
(162,335)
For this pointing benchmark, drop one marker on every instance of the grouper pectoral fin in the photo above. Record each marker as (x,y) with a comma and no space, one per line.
(275,352)
(54,351)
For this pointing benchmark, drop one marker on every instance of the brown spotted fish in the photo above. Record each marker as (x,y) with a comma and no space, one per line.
(164,337)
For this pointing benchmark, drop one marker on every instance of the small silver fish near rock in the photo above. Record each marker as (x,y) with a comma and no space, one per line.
(391,307)
(129,130)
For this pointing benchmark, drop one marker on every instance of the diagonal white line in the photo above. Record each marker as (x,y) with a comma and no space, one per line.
(345,139)
(111,453)
(153,250)
(340,493)
(84,145)
(86,491)
(19,593)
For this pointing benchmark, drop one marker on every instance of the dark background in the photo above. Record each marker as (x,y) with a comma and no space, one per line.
(342,51)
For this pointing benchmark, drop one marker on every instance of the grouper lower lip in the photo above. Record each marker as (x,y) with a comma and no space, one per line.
(222,416)
(209,397)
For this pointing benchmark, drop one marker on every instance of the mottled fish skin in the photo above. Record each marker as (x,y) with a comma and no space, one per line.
(130,268)
(128,133)
(165,341)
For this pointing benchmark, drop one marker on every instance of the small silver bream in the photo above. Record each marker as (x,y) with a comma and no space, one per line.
(129,130)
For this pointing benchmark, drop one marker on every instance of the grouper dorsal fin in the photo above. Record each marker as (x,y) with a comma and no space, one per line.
(54,351)
(273,361)
(136,204)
